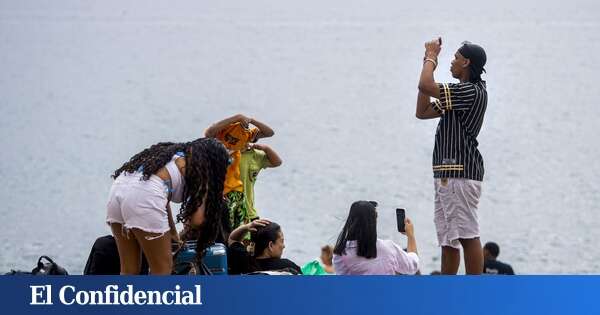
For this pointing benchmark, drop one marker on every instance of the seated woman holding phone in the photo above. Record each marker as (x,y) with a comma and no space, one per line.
(358,251)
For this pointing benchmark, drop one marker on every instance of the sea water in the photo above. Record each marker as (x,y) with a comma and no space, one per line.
(85,85)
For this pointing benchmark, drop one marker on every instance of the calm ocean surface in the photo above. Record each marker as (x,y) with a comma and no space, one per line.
(85,85)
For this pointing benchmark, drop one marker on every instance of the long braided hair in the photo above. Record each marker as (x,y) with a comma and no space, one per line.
(206,165)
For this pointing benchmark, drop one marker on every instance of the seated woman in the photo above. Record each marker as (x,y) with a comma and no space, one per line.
(268,248)
(358,251)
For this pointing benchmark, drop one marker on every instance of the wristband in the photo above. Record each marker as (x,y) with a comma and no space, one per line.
(432,61)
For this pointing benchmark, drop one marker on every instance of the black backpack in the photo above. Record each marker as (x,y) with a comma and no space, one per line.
(50,268)
(104,258)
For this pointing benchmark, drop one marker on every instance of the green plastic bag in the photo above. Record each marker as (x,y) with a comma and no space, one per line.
(314,268)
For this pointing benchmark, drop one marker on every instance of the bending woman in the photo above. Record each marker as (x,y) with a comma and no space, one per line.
(358,251)
(138,209)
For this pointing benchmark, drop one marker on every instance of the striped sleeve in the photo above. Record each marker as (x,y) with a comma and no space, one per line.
(456,96)
(437,106)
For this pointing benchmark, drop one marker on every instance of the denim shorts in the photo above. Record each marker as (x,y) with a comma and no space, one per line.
(137,203)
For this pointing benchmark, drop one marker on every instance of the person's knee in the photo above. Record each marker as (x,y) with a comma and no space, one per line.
(131,263)
(471,243)
(450,251)
(162,267)
(131,270)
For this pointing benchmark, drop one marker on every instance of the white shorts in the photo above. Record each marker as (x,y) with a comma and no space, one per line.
(140,204)
(455,214)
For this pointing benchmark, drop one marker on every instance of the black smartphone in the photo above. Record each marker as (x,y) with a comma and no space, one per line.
(400,215)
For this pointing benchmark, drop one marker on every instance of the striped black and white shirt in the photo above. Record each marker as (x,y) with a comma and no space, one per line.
(455,154)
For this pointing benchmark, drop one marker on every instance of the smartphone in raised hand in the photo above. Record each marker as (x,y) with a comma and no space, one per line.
(400,215)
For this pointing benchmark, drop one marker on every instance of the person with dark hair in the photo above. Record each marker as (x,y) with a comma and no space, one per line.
(358,251)
(239,134)
(138,210)
(491,265)
(268,241)
(457,163)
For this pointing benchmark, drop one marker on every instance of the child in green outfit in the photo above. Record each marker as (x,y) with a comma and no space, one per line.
(256,158)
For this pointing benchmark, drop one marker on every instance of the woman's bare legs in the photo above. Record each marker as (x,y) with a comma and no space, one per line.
(130,253)
(157,251)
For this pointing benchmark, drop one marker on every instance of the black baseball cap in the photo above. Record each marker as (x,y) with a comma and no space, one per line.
(476,54)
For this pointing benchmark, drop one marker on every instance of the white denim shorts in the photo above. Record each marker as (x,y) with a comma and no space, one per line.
(137,203)
(455,215)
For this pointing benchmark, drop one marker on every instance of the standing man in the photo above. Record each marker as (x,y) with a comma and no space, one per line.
(457,164)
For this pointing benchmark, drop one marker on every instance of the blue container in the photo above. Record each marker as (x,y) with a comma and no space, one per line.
(215,257)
